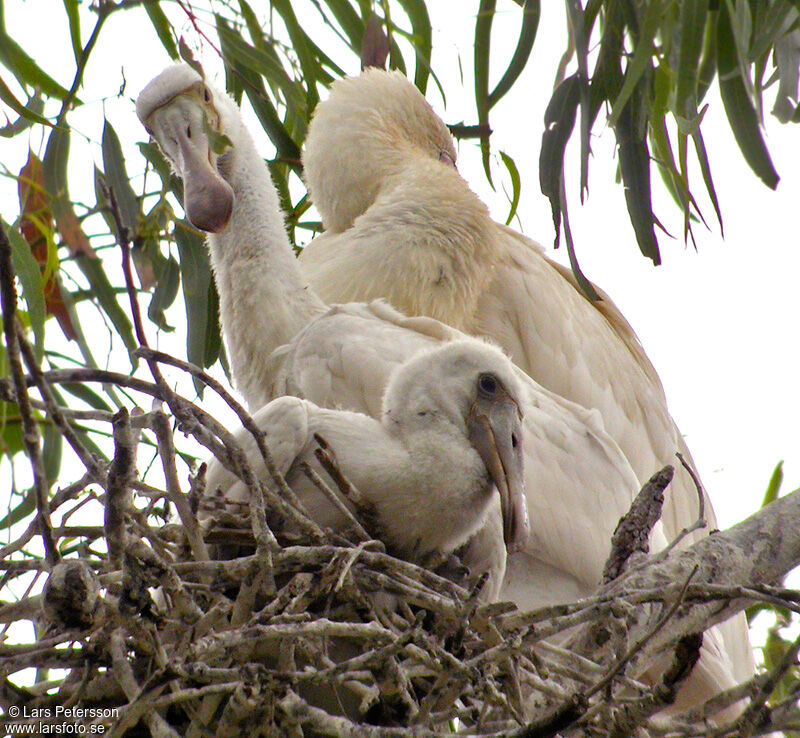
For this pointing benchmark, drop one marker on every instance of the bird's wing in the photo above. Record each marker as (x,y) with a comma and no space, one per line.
(589,353)
(344,358)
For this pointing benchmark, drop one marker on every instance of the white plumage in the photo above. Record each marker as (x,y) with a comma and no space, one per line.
(448,437)
(282,340)
(402,224)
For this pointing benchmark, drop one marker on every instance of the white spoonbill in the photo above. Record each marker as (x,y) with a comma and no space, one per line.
(449,435)
(403,225)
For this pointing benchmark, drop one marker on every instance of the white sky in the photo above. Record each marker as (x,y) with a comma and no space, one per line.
(720,325)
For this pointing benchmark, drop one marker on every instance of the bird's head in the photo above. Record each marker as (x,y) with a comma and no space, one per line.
(360,135)
(472,387)
(183,114)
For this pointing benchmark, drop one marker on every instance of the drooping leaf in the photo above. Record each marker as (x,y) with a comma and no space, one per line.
(164,294)
(349,21)
(531,11)
(692,26)
(705,169)
(196,280)
(52,446)
(237,56)
(302,48)
(86,394)
(417,13)
(36,226)
(162,27)
(559,120)
(34,108)
(516,184)
(787,60)
(54,164)
(24,68)
(73,15)
(21,511)
(708,58)
(634,161)
(119,182)
(24,111)
(739,109)
(483,33)
(30,277)
(641,60)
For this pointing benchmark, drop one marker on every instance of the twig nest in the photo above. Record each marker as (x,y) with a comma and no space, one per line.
(71,596)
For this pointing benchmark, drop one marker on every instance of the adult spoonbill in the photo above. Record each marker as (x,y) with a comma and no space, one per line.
(577,481)
(402,224)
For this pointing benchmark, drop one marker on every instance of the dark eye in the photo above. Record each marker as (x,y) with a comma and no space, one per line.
(206,94)
(447,158)
(487,384)
(188,132)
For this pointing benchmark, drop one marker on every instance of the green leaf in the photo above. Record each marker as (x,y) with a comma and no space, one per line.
(213,345)
(119,182)
(164,294)
(34,108)
(196,281)
(54,169)
(705,169)
(25,69)
(236,50)
(559,121)
(708,59)
(11,442)
(30,277)
(483,33)
(71,6)
(531,12)
(237,59)
(349,21)
(417,13)
(690,36)
(163,28)
(84,393)
(775,20)
(738,106)
(774,485)
(641,60)
(24,111)
(302,47)
(52,446)
(634,161)
(21,511)
(516,184)
(787,60)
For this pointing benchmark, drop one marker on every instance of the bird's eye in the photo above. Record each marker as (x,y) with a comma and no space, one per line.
(206,94)
(447,158)
(188,132)
(487,384)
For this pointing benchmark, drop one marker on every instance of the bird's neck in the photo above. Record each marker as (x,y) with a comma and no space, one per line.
(426,244)
(264,300)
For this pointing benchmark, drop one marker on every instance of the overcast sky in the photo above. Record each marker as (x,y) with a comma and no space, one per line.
(720,324)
